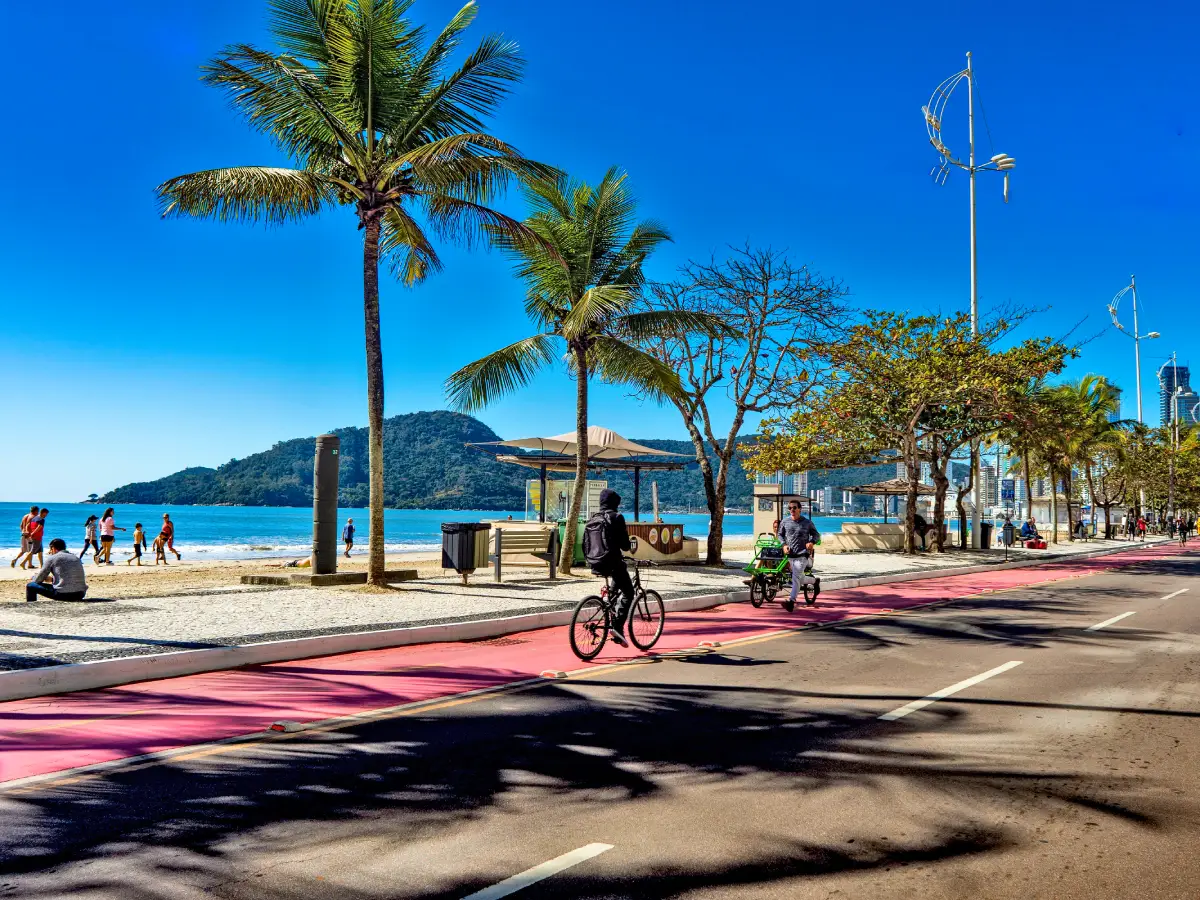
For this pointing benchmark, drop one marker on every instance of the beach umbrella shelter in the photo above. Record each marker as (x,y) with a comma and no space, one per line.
(606,450)
(892,487)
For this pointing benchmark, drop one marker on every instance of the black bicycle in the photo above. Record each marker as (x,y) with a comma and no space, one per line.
(591,621)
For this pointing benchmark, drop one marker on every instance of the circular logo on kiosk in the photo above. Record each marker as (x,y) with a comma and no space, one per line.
(654,535)
(677,535)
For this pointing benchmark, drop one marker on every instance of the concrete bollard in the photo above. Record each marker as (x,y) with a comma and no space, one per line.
(325,505)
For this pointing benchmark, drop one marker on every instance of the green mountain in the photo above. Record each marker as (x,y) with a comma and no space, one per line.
(428,466)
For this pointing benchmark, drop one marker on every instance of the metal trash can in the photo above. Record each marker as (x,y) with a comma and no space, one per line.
(465,547)
(985,535)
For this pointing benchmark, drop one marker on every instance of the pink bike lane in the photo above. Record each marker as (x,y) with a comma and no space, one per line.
(67,731)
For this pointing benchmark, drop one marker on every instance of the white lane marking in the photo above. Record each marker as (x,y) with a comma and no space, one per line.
(946,692)
(1176,594)
(1108,622)
(539,873)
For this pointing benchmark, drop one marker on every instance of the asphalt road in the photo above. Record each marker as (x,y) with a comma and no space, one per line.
(800,766)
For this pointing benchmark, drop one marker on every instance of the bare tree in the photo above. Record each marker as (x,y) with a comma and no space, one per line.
(780,316)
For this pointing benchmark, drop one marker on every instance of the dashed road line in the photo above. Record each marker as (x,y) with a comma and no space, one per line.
(540,872)
(946,692)
(1107,622)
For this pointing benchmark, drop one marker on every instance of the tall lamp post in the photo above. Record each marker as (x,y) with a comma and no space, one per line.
(1001,162)
(1131,289)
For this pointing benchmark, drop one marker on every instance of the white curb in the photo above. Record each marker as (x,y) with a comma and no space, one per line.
(25,683)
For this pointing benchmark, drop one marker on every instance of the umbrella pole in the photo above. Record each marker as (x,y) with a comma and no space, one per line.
(542,504)
(885,500)
(637,492)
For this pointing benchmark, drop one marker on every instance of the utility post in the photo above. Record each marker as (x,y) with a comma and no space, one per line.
(1001,162)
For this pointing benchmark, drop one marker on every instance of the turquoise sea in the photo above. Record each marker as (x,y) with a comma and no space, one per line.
(242,532)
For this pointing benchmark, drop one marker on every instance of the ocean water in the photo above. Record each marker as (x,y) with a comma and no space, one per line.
(246,532)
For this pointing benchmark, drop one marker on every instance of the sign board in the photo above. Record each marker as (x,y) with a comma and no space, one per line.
(1008,490)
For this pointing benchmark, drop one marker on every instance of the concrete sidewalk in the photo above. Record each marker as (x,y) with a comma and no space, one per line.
(47,633)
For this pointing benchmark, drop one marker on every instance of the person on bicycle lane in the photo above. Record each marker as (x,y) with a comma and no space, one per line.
(799,536)
(612,564)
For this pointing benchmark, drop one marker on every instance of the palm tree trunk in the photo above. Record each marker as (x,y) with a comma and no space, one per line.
(375,558)
(1068,493)
(581,459)
(912,468)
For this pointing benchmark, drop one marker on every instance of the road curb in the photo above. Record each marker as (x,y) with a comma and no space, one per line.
(23,684)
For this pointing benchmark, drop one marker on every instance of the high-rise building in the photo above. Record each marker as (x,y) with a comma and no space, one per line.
(1170,377)
(1187,407)
(989,486)
(827,499)
(1115,415)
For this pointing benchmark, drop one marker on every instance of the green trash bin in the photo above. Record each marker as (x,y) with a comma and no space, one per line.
(562,536)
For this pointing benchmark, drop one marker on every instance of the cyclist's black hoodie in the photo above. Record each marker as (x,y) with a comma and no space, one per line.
(616,534)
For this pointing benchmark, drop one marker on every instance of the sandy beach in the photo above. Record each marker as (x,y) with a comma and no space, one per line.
(189,576)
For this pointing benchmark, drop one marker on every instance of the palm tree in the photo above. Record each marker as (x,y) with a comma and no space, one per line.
(582,281)
(368,119)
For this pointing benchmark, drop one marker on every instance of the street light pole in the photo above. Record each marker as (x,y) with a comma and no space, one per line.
(1137,336)
(1001,162)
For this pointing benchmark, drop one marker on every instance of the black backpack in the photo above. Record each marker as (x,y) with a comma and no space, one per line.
(595,538)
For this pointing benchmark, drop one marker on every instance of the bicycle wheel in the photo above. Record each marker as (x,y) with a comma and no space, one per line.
(589,627)
(758,591)
(646,620)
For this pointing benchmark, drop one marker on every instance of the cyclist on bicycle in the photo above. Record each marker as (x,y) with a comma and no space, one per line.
(799,536)
(611,524)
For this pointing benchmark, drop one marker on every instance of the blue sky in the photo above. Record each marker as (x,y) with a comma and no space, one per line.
(133,347)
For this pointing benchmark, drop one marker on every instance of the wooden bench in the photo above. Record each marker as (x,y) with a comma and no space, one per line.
(512,542)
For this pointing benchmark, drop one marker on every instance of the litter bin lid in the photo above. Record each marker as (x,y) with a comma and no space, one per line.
(461,527)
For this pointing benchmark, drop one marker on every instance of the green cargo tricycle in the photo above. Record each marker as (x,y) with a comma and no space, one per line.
(771,574)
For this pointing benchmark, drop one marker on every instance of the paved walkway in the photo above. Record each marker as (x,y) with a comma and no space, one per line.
(48,633)
(53,734)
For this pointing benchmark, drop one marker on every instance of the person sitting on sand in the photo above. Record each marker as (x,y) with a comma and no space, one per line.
(66,573)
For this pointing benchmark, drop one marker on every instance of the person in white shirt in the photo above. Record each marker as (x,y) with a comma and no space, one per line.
(65,573)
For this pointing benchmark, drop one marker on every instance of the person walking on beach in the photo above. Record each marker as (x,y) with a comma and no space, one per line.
(168,532)
(108,534)
(160,549)
(37,527)
(348,537)
(90,541)
(25,519)
(139,543)
(1141,528)
(66,574)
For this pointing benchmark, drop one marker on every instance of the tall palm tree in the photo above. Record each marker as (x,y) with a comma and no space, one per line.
(582,280)
(369,119)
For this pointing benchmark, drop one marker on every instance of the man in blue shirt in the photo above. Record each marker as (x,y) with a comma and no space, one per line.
(348,537)
(799,536)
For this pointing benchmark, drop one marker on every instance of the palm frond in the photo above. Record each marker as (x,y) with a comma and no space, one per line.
(672,323)
(500,373)
(289,102)
(246,194)
(471,224)
(616,362)
(598,305)
(625,266)
(460,101)
(407,248)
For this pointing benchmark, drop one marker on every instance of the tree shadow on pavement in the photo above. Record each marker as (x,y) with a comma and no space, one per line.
(599,743)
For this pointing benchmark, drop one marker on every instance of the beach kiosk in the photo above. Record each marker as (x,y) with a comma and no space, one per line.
(547,498)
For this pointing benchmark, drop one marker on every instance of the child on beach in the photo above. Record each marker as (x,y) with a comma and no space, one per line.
(139,542)
(160,549)
(90,541)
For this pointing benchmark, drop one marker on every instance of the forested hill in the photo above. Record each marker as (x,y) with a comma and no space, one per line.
(427,466)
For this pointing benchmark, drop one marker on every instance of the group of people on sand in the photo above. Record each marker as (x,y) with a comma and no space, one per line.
(99,535)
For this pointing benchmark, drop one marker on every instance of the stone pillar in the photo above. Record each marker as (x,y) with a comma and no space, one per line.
(325,505)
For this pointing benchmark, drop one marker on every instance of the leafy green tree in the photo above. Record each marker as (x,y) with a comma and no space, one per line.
(583,276)
(369,119)
(923,385)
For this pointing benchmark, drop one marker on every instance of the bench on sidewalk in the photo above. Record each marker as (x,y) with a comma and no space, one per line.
(513,543)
